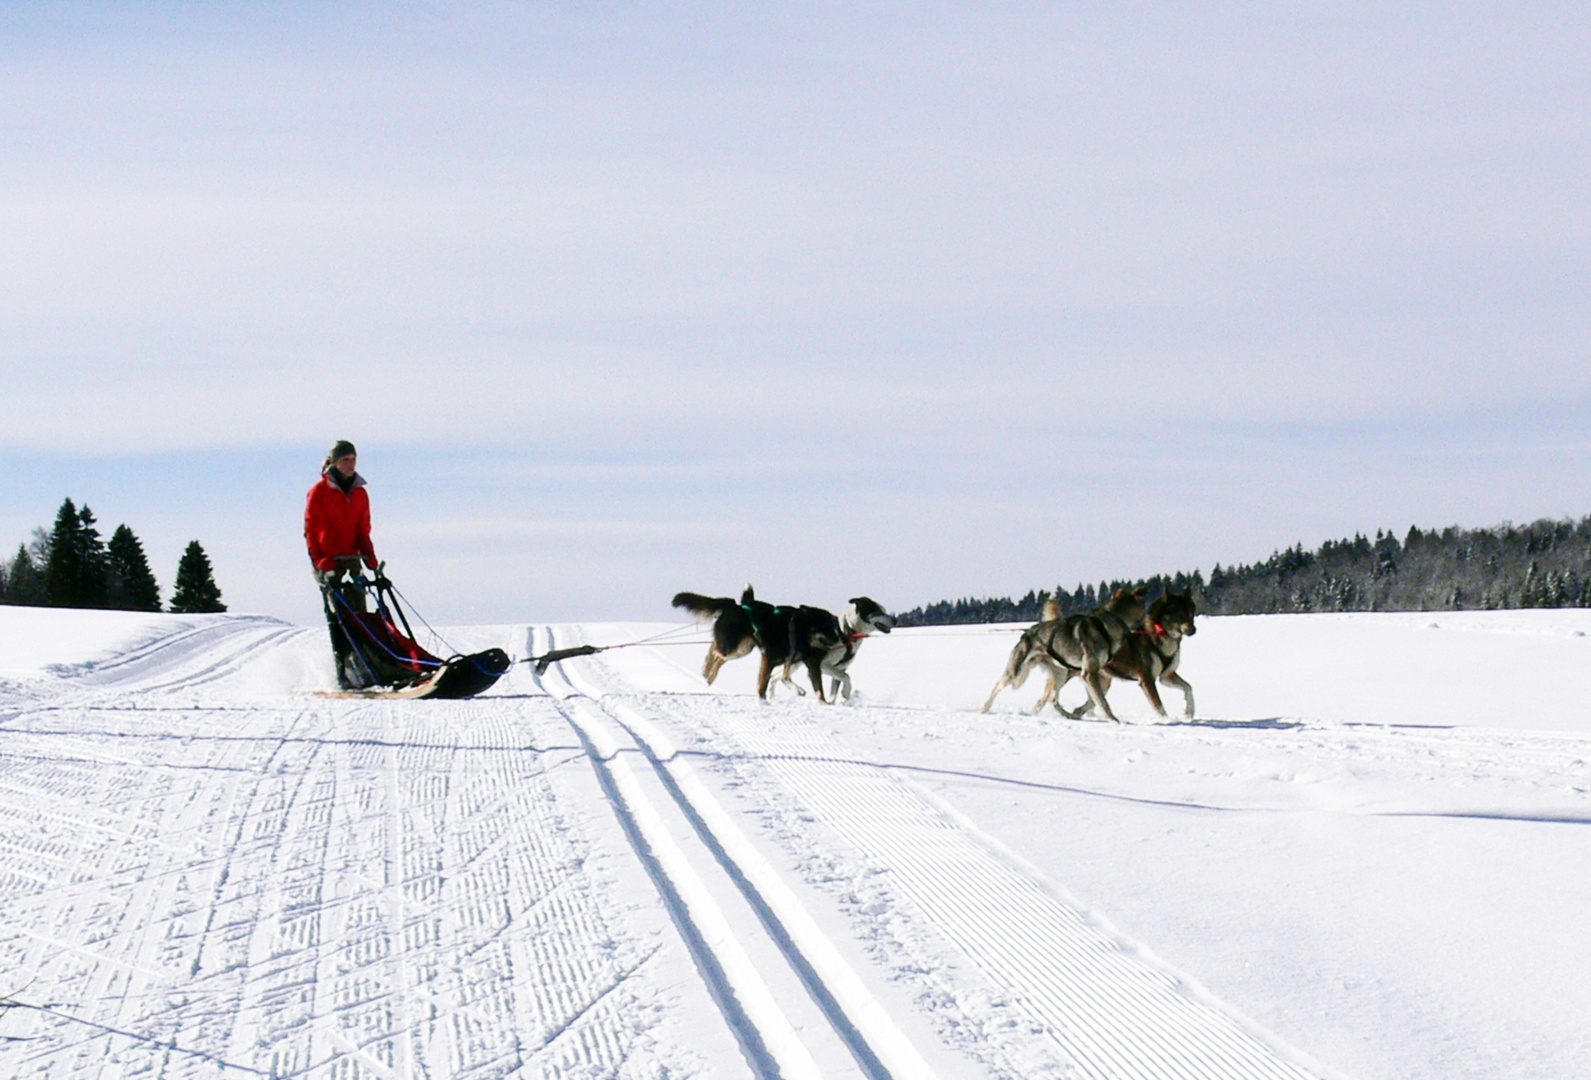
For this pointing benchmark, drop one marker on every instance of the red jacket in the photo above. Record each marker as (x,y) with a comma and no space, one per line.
(338,524)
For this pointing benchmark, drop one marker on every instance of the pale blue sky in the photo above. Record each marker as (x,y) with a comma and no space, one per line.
(923,301)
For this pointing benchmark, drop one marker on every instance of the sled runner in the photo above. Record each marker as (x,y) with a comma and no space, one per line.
(378,656)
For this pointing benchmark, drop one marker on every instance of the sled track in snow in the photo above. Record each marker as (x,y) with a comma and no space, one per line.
(1109,1010)
(705,912)
(324,889)
(188,658)
(296,889)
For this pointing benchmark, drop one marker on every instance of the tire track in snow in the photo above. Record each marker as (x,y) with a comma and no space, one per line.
(766,1036)
(1110,1011)
(412,968)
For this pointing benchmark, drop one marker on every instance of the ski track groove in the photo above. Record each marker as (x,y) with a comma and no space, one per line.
(768,1041)
(1111,1012)
(338,889)
(878,1048)
(1125,1018)
(364,888)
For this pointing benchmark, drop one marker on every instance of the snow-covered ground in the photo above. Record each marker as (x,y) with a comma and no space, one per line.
(1363,858)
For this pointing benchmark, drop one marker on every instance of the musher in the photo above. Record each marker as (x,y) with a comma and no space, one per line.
(337,531)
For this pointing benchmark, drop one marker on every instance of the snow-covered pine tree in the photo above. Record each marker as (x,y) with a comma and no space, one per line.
(195,590)
(130,585)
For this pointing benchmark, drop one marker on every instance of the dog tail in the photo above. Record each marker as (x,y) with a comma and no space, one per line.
(747,597)
(1052,610)
(1016,667)
(703,607)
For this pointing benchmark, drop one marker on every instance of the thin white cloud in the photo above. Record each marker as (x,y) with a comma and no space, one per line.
(751,255)
(465,532)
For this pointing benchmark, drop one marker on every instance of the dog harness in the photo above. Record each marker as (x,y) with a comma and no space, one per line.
(758,626)
(850,641)
(1059,659)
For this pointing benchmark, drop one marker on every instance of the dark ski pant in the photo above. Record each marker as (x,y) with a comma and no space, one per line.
(338,595)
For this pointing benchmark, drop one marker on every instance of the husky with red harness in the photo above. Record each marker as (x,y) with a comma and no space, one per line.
(371,639)
(1074,645)
(1152,653)
(864,617)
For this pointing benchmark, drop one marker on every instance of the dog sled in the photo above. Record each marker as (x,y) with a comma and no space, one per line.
(378,656)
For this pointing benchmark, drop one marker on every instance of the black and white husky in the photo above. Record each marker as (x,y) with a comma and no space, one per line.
(862,618)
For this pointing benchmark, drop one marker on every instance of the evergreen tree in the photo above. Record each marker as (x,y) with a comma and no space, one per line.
(25,580)
(96,562)
(63,572)
(1544,564)
(130,585)
(195,590)
(76,566)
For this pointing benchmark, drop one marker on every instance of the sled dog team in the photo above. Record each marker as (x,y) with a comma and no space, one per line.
(816,639)
(1122,640)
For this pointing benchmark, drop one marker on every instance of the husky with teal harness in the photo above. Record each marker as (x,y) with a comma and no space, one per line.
(785,634)
(735,625)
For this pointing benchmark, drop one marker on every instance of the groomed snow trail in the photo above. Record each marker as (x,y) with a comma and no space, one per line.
(208,871)
(198,883)
(766,912)
(1106,1009)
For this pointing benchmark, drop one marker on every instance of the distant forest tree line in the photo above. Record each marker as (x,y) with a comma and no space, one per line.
(72,566)
(1545,564)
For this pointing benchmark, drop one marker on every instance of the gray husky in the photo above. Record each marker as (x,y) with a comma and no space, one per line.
(1074,645)
(1152,653)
